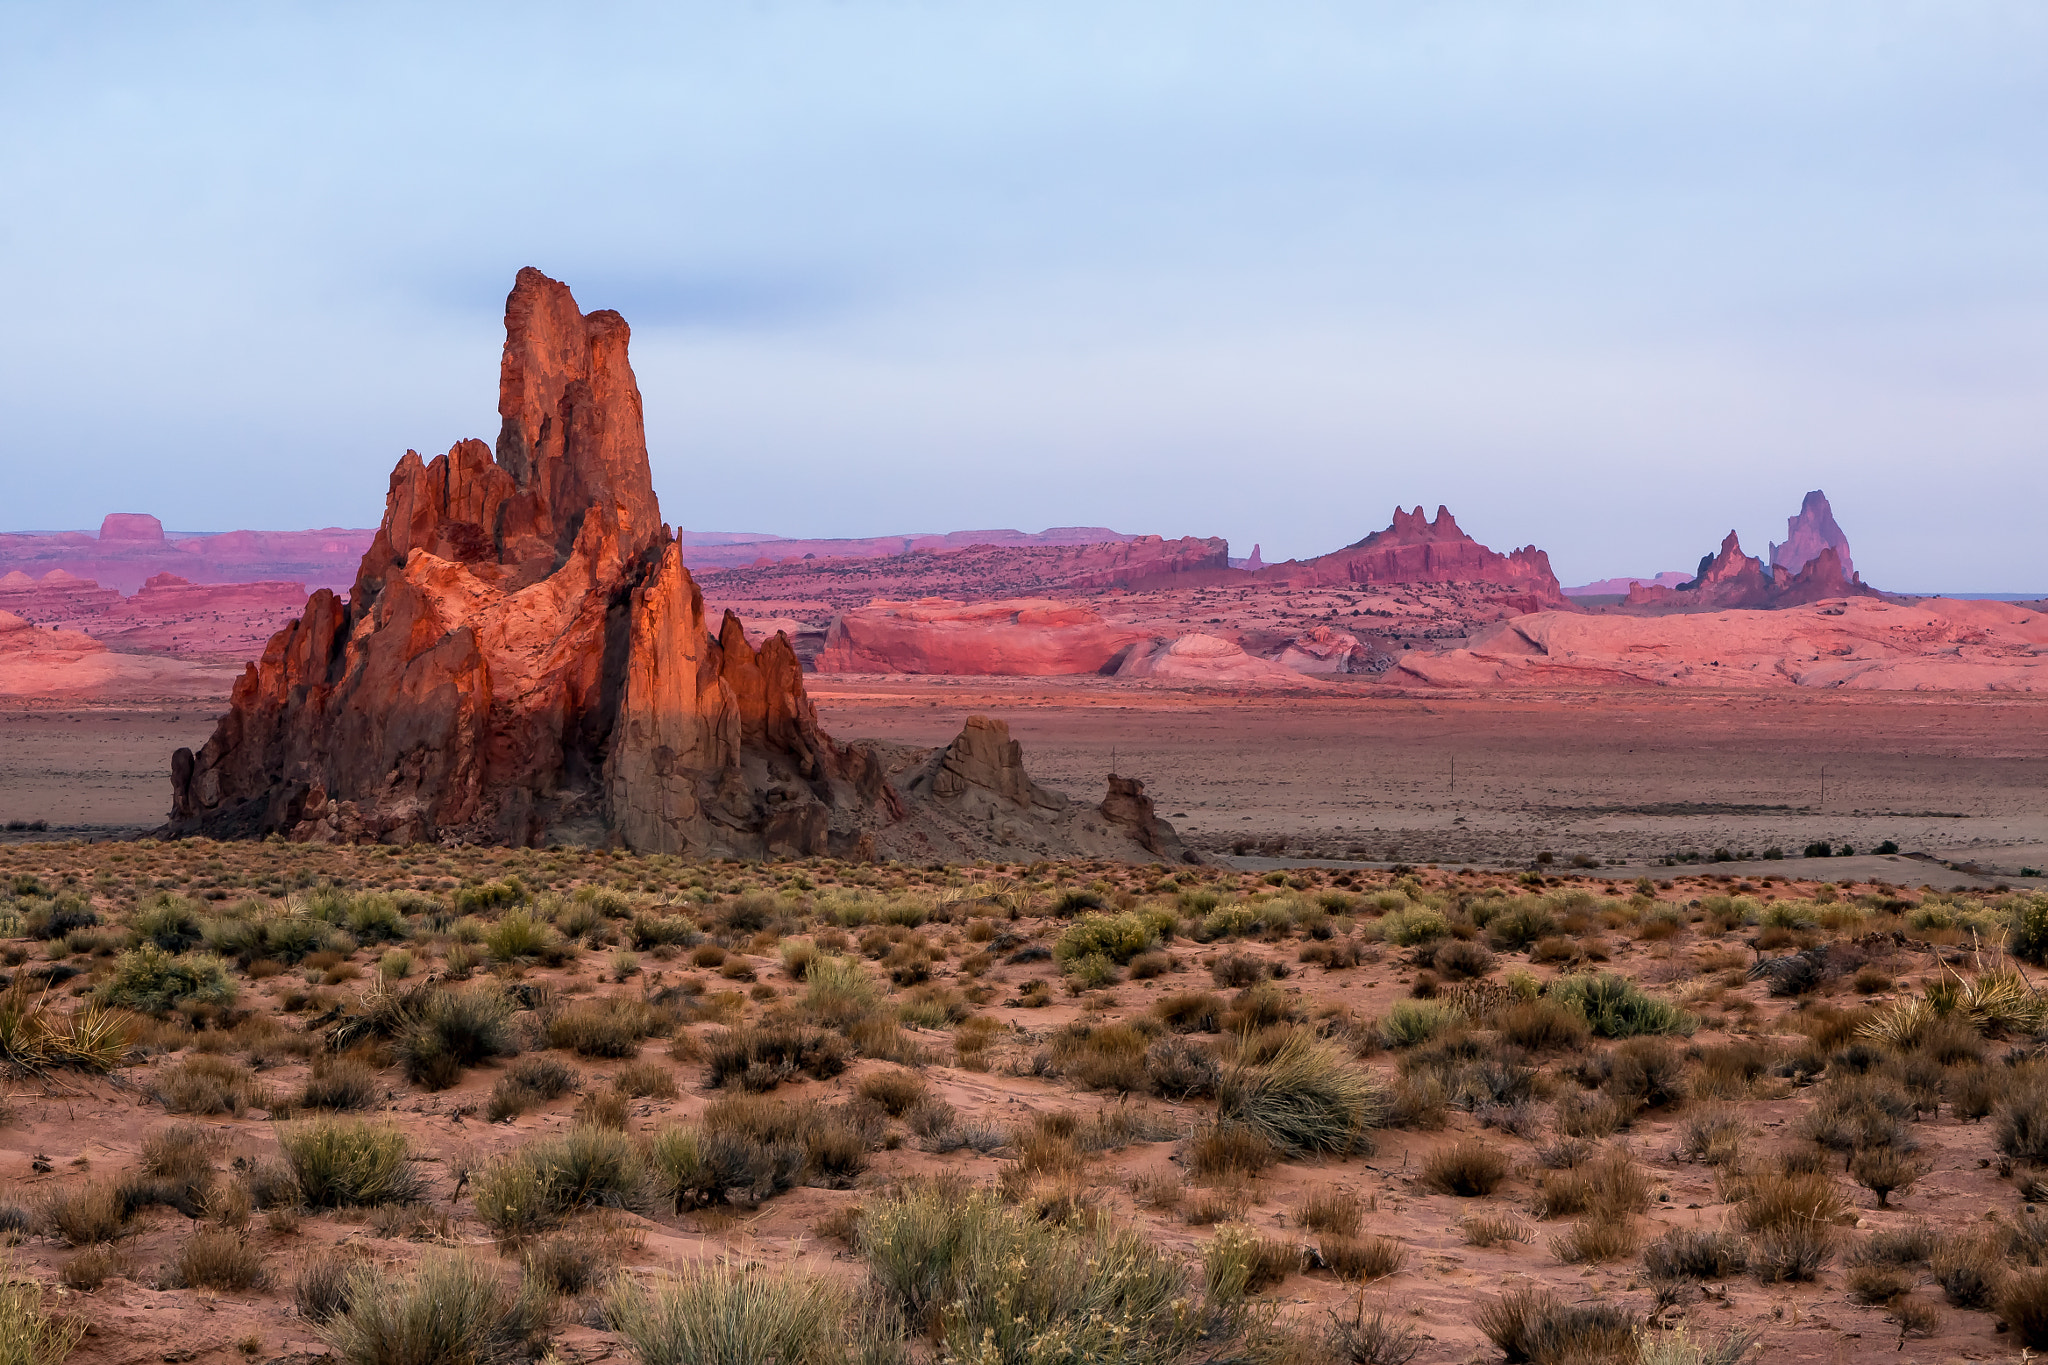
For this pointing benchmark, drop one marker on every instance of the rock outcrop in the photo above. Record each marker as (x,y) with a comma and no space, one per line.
(1731,579)
(132,526)
(1203,658)
(52,662)
(56,596)
(1810,533)
(1417,550)
(525,659)
(131,547)
(1031,637)
(1852,642)
(1321,649)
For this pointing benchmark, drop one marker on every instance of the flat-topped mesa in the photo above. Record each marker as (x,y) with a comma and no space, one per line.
(525,659)
(1416,549)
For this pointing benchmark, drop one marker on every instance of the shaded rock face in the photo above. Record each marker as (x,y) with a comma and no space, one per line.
(525,659)
(1809,534)
(1731,579)
(524,656)
(1128,808)
(1415,549)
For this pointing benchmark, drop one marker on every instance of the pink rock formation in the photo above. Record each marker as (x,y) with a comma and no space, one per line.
(525,658)
(1809,533)
(1032,637)
(1733,579)
(1323,650)
(167,592)
(131,526)
(56,596)
(323,558)
(48,661)
(1850,642)
(1415,550)
(1205,658)
(1619,587)
(729,549)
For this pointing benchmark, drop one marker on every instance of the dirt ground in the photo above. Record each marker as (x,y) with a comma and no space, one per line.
(1627,778)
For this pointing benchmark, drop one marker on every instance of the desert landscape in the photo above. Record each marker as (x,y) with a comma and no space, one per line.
(541,942)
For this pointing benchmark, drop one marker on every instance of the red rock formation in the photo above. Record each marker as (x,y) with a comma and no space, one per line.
(1031,637)
(167,592)
(1732,579)
(524,655)
(731,549)
(1808,534)
(1415,550)
(323,558)
(131,526)
(525,658)
(56,596)
(49,661)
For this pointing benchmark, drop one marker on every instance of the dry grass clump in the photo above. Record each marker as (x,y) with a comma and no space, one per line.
(1878,1283)
(715,1312)
(1227,1151)
(1969,1268)
(219,1259)
(29,1334)
(1306,1098)
(648,1080)
(35,1038)
(1238,1262)
(1468,1169)
(339,1083)
(1179,1068)
(1596,1241)
(2023,1303)
(348,1163)
(614,1026)
(748,1149)
(1190,1011)
(208,1085)
(531,1081)
(1331,1211)
(1493,1229)
(896,1090)
(759,1059)
(449,1307)
(1536,1326)
(531,1188)
(1361,1258)
(580,1259)
(1696,1254)
(85,1214)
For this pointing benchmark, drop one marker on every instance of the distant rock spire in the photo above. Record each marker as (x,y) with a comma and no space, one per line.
(1810,532)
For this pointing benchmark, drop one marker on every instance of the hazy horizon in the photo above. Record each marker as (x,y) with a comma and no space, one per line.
(1603,279)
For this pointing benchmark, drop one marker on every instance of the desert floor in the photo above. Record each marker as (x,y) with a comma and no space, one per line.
(1354,772)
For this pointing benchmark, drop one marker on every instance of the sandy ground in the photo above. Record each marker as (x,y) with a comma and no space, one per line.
(1627,778)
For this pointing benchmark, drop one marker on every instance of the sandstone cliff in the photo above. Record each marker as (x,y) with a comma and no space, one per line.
(1810,533)
(525,658)
(1731,579)
(1418,550)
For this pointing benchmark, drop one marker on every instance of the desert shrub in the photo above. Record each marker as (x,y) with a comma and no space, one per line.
(605,1107)
(85,1214)
(1361,1258)
(169,921)
(1228,1151)
(1792,1251)
(758,1059)
(1878,1283)
(520,934)
(1647,1073)
(1968,1268)
(1883,1170)
(1101,1056)
(838,992)
(1375,1340)
(1459,960)
(1696,1254)
(449,1307)
(1543,1025)
(86,1271)
(438,1032)
(1732,1070)
(532,1080)
(1596,1241)
(1515,926)
(1913,1244)
(2023,1303)
(2028,937)
(2021,1120)
(1238,1262)
(1775,1201)
(1330,1210)
(1147,965)
(207,1085)
(720,1313)
(611,1027)
(530,1188)
(339,1083)
(28,1334)
(148,980)
(1018,1290)
(1714,1136)
(579,1260)
(1411,1023)
(1261,1007)
(58,919)
(218,1259)
(748,1149)
(35,1038)
(1468,1169)
(1179,1069)
(1531,1325)
(1190,1011)
(346,1162)
(1615,1007)
(895,1090)
(1237,970)
(1118,937)
(1305,1099)
(648,1080)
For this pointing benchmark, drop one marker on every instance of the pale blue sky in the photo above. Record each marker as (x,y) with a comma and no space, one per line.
(1606,277)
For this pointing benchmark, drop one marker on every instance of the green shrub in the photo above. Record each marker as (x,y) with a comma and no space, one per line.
(762,1058)
(1305,1099)
(1411,1023)
(28,1334)
(346,1162)
(838,992)
(519,934)
(150,981)
(449,1308)
(441,1031)
(1118,937)
(170,922)
(1615,1007)
(2029,941)
(1415,924)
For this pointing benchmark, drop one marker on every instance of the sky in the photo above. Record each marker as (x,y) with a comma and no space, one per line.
(1611,278)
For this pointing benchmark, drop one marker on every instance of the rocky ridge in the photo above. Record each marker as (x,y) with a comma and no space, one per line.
(525,659)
